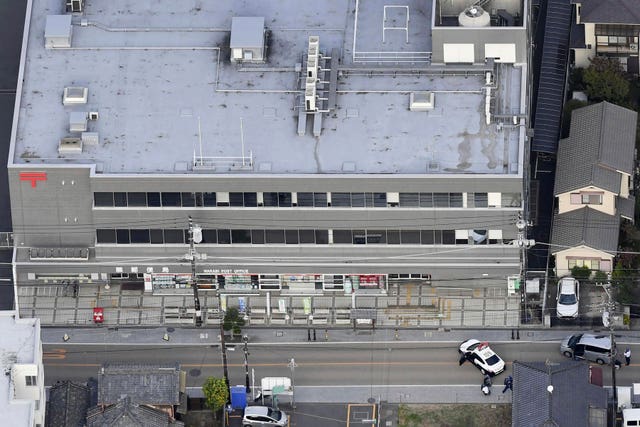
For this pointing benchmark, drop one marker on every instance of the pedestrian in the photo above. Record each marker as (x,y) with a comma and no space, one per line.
(627,356)
(617,363)
(508,384)
(486,385)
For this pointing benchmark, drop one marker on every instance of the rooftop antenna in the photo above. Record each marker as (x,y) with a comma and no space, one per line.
(242,140)
(200,139)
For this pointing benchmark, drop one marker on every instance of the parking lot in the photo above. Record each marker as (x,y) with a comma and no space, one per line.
(590,306)
(327,415)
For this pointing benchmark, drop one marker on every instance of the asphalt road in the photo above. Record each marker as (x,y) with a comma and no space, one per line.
(429,363)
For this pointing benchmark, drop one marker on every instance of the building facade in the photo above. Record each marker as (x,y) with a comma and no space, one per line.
(320,170)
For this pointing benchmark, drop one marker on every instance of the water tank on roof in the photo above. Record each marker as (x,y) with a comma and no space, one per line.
(474,16)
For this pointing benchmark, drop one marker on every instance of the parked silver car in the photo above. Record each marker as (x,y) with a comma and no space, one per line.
(264,416)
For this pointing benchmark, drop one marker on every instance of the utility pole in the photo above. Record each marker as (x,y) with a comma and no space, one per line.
(195,236)
(610,309)
(245,339)
(524,244)
(292,364)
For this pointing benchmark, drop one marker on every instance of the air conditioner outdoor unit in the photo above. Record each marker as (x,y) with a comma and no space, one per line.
(75,6)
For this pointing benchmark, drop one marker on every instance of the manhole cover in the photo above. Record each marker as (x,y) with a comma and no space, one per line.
(171,329)
(195,372)
(371,400)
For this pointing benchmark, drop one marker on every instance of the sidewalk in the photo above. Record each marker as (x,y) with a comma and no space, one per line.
(101,335)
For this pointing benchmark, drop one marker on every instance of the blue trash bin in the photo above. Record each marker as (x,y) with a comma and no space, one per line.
(238,397)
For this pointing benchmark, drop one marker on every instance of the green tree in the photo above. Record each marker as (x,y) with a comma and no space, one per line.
(605,80)
(215,393)
(233,321)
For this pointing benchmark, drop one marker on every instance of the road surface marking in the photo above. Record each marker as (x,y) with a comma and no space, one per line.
(55,353)
(361,405)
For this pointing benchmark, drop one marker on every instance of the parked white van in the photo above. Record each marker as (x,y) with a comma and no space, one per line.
(595,348)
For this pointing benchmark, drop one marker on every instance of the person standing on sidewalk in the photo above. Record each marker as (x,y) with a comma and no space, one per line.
(627,356)
(486,385)
(508,384)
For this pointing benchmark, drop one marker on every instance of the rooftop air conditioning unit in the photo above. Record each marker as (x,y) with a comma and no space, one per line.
(421,101)
(75,6)
(70,145)
(78,121)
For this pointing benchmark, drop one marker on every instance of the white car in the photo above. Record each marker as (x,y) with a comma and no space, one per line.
(568,297)
(264,416)
(481,355)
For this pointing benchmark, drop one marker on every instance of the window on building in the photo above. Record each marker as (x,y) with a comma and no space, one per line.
(441,200)
(236,199)
(270,199)
(105,235)
(103,199)
(357,200)
(480,200)
(171,199)
(592,198)
(341,200)
(224,237)
(240,236)
(122,236)
(291,237)
(359,237)
(257,237)
(173,235)
(322,237)
(426,200)
(156,236)
(307,236)
(409,200)
(137,200)
(376,237)
(448,237)
(140,236)
(209,199)
(342,236)
(274,236)
(590,263)
(410,237)
(250,200)
(393,237)
(426,237)
(120,200)
(305,199)
(511,200)
(320,200)
(188,200)
(209,236)
(284,200)
(455,200)
(153,200)
(30,380)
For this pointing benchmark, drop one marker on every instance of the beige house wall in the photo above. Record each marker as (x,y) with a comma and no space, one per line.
(608,205)
(562,263)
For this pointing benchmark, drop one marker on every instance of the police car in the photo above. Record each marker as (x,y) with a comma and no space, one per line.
(480,354)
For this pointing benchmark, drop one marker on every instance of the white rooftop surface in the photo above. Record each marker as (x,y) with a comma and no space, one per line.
(153,68)
(17,345)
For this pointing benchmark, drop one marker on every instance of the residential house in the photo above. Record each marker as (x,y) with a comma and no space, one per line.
(160,387)
(606,28)
(126,413)
(593,187)
(22,393)
(556,394)
(67,405)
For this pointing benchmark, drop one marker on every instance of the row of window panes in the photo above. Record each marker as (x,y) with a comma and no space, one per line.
(273,199)
(292,236)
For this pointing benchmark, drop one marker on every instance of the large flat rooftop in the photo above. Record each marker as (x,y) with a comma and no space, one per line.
(159,75)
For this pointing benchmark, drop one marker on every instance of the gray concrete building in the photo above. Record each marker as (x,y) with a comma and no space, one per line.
(375,142)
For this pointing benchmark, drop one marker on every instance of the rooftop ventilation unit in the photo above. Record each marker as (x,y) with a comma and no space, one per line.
(70,145)
(474,16)
(310,95)
(421,101)
(77,121)
(58,31)
(90,138)
(75,95)
(312,57)
(75,6)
